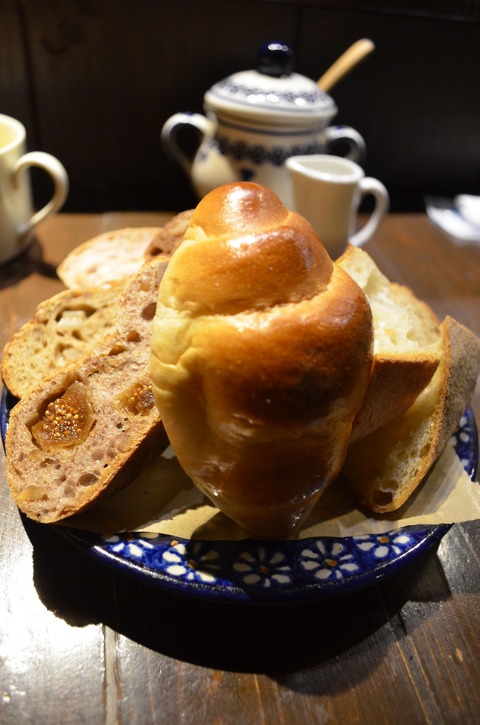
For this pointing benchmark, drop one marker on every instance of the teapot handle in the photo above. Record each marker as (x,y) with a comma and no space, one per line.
(172,126)
(355,142)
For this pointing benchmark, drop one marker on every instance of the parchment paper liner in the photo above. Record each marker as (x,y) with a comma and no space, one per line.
(164,500)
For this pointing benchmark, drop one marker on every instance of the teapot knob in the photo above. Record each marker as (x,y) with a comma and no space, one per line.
(275,59)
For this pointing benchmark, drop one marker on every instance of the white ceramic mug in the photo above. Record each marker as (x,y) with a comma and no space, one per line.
(327,191)
(17,217)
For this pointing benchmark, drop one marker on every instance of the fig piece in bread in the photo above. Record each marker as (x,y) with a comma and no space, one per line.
(384,468)
(87,429)
(261,355)
(406,347)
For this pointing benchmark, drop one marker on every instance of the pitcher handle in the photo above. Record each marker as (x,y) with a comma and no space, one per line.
(357,148)
(172,126)
(374,187)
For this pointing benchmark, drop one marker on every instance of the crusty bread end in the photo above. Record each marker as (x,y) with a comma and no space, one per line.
(407,344)
(384,468)
(112,256)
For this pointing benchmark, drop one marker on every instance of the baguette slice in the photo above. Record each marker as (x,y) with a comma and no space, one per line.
(112,256)
(64,328)
(407,344)
(385,468)
(118,430)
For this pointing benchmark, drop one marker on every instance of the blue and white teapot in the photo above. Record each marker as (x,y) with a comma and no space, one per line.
(255,120)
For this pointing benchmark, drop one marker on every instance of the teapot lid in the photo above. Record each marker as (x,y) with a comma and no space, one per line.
(272,95)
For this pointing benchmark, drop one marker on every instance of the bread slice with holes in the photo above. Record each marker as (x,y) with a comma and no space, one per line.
(407,343)
(170,236)
(384,468)
(83,431)
(63,328)
(66,326)
(112,256)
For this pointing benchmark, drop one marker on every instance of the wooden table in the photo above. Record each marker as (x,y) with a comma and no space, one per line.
(79,643)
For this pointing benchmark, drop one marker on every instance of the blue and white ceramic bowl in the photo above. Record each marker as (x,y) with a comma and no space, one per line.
(267,571)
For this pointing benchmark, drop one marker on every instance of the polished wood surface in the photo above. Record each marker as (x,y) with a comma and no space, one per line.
(80,643)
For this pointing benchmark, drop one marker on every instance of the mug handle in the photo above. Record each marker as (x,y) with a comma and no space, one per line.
(368,185)
(357,148)
(172,126)
(54,168)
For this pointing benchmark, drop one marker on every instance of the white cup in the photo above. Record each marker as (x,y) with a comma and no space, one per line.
(327,191)
(17,217)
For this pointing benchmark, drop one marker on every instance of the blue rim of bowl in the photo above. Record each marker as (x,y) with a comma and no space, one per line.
(258,571)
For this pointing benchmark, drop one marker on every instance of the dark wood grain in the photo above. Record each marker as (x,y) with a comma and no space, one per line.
(117,71)
(95,82)
(15,79)
(410,98)
(80,643)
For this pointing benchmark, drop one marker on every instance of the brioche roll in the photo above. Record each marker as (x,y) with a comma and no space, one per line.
(261,355)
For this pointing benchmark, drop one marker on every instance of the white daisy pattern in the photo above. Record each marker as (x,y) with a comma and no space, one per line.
(461,441)
(131,546)
(192,563)
(263,568)
(383,546)
(328,560)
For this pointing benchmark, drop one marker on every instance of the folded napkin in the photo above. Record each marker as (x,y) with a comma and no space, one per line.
(459,217)
(469,208)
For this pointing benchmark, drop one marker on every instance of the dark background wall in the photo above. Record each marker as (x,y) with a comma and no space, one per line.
(94,81)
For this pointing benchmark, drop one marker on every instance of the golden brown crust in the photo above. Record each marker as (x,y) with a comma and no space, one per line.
(462,351)
(395,384)
(292,365)
(261,353)
(246,252)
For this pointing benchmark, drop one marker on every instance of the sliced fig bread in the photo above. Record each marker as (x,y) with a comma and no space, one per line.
(82,432)
(63,328)
(69,324)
